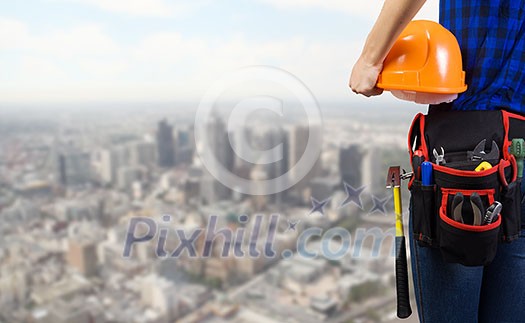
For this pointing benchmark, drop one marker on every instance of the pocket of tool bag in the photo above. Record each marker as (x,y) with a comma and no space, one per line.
(511,211)
(470,245)
(423,203)
(464,243)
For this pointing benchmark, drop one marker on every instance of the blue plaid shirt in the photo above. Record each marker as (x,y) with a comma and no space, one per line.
(491,35)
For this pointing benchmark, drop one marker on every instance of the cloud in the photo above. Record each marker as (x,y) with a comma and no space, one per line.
(80,40)
(13,33)
(148,8)
(168,66)
(168,47)
(86,62)
(369,9)
(41,70)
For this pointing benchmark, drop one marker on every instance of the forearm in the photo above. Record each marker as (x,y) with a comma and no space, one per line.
(394,17)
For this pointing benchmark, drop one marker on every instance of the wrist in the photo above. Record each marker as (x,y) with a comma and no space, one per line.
(369,58)
(371,62)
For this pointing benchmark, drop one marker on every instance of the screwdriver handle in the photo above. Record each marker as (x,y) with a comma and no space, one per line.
(517,148)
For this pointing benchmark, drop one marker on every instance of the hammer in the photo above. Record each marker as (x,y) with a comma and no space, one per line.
(393,181)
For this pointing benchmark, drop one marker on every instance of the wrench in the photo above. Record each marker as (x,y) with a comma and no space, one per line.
(479,154)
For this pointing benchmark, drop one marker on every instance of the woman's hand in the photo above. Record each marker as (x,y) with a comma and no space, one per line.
(394,17)
(364,78)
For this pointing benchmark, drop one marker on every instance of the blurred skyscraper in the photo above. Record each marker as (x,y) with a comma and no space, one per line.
(218,141)
(73,167)
(184,147)
(141,153)
(242,141)
(278,141)
(350,164)
(165,144)
(297,142)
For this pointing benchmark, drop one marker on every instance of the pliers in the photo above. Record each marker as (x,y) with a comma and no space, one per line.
(475,203)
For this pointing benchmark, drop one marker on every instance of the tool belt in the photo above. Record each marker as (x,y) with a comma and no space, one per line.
(446,212)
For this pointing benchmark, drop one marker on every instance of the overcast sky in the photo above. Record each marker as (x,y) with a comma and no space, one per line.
(165,50)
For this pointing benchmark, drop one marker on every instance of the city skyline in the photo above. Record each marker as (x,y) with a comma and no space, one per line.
(70,214)
(194,161)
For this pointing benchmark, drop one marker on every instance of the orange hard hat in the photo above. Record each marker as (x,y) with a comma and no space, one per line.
(425,58)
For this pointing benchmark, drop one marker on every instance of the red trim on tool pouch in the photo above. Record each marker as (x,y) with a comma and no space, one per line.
(410,182)
(501,170)
(506,127)
(514,115)
(489,192)
(465,173)
(466,227)
(410,143)
(424,147)
(514,164)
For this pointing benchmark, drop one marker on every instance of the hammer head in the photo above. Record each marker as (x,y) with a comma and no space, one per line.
(393,178)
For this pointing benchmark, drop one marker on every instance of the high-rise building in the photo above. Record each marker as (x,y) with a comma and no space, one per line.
(218,141)
(184,147)
(82,255)
(242,141)
(73,167)
(277,141)
(165,144)
(351,164)
(141,153)
(373,166)
(297,142)
(183,138)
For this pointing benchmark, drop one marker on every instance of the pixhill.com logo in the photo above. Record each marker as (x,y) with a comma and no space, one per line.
(254,238)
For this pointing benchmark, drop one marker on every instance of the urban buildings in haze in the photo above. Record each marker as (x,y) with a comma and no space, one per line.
(165,144)
(351,164)
(66,213)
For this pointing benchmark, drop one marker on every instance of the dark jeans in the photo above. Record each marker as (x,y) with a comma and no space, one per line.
(456,293)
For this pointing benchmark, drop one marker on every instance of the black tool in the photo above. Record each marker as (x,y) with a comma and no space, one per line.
(417,160)
(492,212)
(477,208)
(479,154)
(457,205)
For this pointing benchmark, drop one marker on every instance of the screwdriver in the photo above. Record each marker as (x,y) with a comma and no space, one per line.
(417,159)
(517,148)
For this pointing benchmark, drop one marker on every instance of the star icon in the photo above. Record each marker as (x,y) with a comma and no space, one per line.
(353,195)
(292,225)
(379,204)
(318,206)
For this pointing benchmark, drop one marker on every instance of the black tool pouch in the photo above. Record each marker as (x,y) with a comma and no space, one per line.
(456,229)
